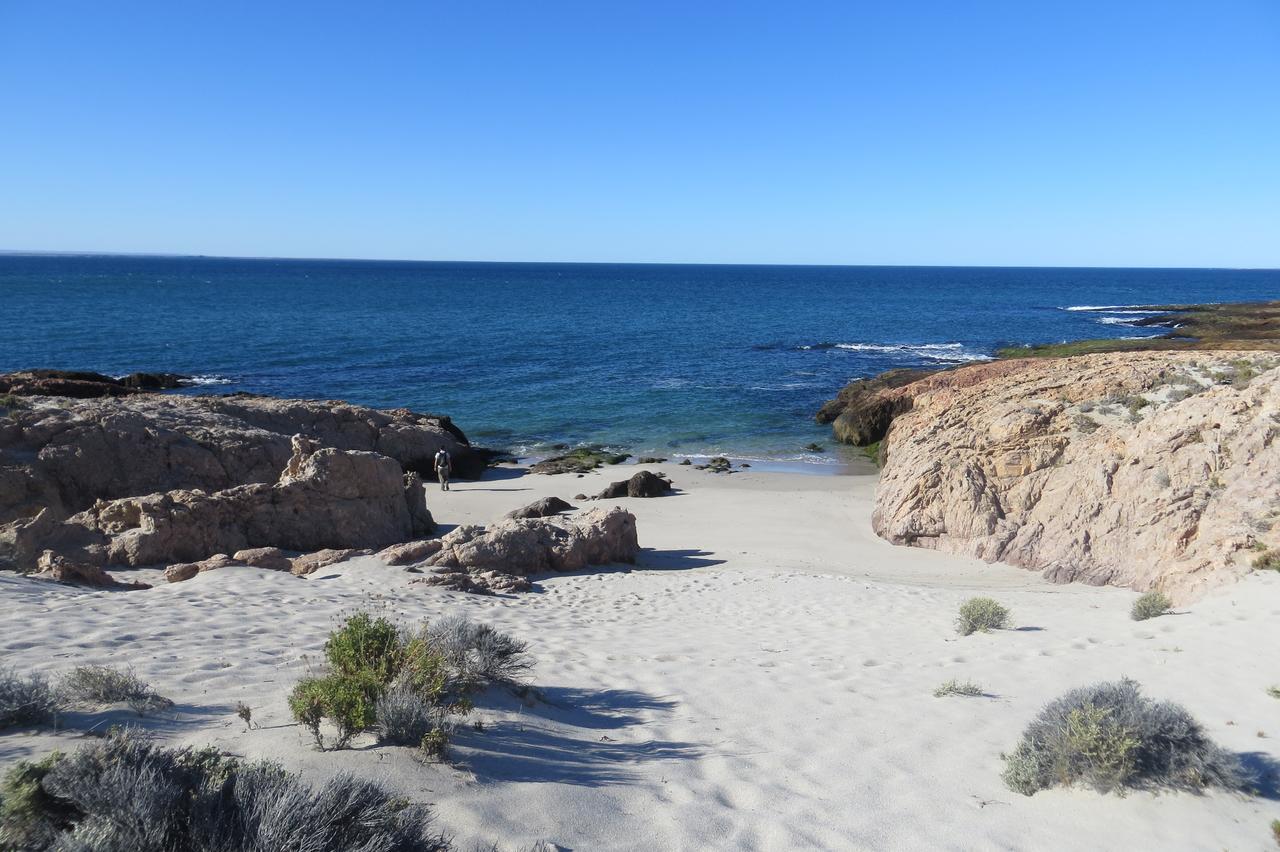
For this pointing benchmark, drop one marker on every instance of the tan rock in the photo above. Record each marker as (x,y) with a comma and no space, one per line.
(54,567)
(410,551)
(309,563)
(1149,470)
(62,455)
(530,546)
(269,558)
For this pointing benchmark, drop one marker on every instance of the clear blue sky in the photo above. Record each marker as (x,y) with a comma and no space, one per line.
(1075,133)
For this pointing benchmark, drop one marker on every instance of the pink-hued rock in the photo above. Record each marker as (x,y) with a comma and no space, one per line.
(410,551)
(531,546)
(62,455)
(325,498)
(1055,465)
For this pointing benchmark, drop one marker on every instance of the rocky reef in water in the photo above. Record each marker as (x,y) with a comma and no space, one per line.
(1147,469)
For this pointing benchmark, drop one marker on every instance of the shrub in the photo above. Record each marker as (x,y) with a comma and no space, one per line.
(25,701)
(94,685)
(955,687)
(478,654)
(405,717)
(1273,691)
(981,614)
(365,646)
(1150,605)
(1086,425)
(349,701)
(404,687)
(127,793)
(1268,561)
(1110,737)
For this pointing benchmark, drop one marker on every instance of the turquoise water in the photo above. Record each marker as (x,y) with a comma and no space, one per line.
(654,359)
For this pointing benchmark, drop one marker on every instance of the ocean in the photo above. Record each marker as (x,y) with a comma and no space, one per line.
(668,360)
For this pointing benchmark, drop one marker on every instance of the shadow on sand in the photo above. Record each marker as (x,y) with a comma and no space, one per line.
(673,560)
(560,740)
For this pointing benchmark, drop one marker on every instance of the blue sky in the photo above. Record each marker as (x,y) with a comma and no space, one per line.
(1022,133)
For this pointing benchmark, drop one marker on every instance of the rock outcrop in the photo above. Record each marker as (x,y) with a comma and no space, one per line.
(1151,470)
(60,455)
(326,498)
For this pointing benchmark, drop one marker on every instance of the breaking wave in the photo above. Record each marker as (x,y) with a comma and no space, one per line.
(953,352)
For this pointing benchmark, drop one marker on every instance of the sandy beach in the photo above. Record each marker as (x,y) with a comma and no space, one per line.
(762,679)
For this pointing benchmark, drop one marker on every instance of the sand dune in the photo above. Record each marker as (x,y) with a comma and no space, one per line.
(762,680)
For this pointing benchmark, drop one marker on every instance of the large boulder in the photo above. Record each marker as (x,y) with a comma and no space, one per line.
(1151,470)
(522,547)
(544,508)
(642,484)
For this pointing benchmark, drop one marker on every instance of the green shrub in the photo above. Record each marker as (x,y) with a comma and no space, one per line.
(365,646)
(29,817)
(981,614)
(1273,691)
(1275,831)
(1110,737)
(406,688)
(1150,605)
(955,687)
(349,701)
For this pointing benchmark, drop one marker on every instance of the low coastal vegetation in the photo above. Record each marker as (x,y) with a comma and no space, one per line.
(25,700)
(126,792)
(407,687)
(1222,326)
(1268,560)
(956,687)
(91,686)
(1150,605)
(1111,737)
(31,700)
(981,615)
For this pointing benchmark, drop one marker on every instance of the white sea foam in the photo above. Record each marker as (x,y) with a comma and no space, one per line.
(210,380)
(929,351)
(1144,309)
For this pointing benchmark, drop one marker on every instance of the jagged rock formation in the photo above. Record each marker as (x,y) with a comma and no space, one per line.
(59,456)
(1152,470)
(326,498)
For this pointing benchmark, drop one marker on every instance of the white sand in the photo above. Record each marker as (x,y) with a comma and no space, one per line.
(766,685)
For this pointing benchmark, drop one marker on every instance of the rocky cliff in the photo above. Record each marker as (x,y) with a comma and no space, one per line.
(1152,470)
(216,464)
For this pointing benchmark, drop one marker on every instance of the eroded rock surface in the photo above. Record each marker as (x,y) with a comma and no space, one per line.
(325,498)
(59,455)
(1153,470)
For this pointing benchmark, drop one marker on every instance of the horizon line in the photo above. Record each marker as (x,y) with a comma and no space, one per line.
(182,255)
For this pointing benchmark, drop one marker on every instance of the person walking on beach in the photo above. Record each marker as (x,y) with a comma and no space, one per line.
(442,468)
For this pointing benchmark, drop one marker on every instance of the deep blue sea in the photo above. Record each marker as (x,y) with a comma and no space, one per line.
(655,359)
